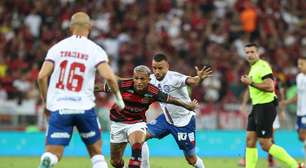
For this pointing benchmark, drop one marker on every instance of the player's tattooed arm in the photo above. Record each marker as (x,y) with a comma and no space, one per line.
(202,74)
(188,105)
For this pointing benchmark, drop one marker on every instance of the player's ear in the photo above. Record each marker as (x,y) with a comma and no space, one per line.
(167,65)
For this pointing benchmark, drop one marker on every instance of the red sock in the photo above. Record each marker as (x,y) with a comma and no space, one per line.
(135,161)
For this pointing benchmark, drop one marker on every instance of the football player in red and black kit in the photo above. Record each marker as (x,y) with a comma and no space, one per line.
(128,125)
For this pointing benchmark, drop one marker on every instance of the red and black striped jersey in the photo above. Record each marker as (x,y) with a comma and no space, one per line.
(136,104)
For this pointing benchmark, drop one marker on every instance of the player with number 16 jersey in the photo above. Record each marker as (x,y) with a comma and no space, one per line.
(72,81)
(66,80)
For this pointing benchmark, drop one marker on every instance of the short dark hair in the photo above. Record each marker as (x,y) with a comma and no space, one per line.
(160,57)
(252,45)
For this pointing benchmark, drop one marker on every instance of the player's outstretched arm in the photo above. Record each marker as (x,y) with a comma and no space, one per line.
(106,72)
(43,77)
(188,105)
(201,75)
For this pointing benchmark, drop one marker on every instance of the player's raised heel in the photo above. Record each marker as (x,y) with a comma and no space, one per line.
(45,163)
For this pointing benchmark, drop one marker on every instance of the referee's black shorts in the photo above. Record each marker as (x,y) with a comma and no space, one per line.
(261,119)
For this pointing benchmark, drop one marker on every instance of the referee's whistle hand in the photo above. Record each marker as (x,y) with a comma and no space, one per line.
(245,79)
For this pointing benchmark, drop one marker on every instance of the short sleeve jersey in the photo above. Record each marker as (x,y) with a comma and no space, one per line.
(136,104)
(174,84)
(259,70)
(71,84)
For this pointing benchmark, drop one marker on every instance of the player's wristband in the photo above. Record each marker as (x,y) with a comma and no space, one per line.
(119,100)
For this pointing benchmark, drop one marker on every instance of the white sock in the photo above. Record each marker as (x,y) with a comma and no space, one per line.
(53,158)
(98,161)
(199,163)
(145,160)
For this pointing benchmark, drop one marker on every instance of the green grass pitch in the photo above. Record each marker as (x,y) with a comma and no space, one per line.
(155,162)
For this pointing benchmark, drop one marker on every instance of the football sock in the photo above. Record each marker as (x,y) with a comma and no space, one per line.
(305,151)
(48,159)
(270,157)
(280,154)
(118,165)
(199,163)
(251,157)
(135,161)
(145,154)
(98,161)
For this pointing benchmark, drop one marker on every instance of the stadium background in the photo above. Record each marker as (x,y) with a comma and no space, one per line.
(190,32)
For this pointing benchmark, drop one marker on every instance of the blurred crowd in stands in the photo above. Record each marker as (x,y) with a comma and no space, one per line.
(190,32)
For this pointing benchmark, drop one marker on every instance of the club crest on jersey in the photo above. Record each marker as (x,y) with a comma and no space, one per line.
(166,88)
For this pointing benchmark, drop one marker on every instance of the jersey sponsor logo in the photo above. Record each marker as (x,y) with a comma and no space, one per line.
(60,135)
(130,91)
(134,109)
(88,134)
(135,98)
(68,98)
(181,136)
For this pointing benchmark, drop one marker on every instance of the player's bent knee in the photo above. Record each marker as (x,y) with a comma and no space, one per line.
(94,149)
(265,145)
(251,142)
(302,137)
